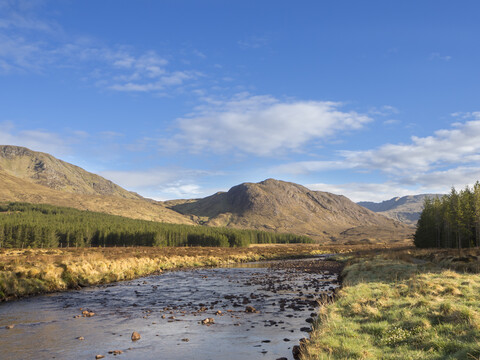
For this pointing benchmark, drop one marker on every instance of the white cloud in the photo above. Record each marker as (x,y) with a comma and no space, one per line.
(263,125)
(432,164)
(37,140)
(458,145)
(184,191)
(458,177)
(141,179)
(162,183)
(445,148)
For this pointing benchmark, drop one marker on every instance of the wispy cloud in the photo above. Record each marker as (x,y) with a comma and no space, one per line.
(385,110)
(253,42)
(29,44)
(391,122)
(438,56)
(38,139)
(366,191)
(162,183)
(264,125)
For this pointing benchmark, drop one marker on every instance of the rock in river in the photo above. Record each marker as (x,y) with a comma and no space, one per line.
(208,321)
(135,336)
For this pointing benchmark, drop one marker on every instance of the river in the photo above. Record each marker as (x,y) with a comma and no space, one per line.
(167,310)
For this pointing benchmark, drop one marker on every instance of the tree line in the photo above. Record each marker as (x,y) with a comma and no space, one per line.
(45,226)
(450,221)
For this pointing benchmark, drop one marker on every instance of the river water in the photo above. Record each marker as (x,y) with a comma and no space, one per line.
(166,310)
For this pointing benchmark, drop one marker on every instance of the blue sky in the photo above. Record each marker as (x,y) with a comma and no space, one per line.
(180,99)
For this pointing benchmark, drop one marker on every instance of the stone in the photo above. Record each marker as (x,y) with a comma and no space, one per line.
(208,321)
(250,309)
(80,338)
(87,313)
(296,352)
(99,356)
(9,327)
(135,336)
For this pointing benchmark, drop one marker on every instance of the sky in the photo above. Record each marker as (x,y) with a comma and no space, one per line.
(181,99)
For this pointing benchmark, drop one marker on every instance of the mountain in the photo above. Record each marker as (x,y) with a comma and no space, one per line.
(406,209)
(44,169)
(287,207)
(34,177)
(272,205)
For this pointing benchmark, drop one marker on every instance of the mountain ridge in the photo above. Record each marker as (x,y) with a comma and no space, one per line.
(45,169)
(287,207)
(406,209)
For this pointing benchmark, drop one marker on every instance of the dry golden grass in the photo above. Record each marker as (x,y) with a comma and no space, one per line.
(32,271)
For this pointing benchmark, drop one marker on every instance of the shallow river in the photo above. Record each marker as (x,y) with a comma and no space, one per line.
(167,310)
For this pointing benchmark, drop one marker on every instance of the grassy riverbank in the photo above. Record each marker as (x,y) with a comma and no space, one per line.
(416,304)
(35,271)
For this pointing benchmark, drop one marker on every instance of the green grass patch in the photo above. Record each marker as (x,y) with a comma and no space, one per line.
(397,309)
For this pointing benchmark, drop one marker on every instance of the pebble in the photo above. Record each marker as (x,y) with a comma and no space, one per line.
(135,336)
(116,352)
(208,321)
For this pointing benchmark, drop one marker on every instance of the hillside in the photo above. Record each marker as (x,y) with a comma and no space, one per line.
(287,207)
(44,169)
(39,178)
(15,189)
(406,209)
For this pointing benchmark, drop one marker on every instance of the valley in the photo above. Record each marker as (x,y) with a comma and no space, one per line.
(268,269)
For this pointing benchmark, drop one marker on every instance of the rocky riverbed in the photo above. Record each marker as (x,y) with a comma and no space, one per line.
(253,311)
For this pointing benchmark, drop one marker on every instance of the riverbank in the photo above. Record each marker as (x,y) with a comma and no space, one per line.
(36,271)
(415,304)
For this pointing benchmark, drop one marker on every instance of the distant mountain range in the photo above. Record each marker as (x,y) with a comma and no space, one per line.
(406,209)
(271,205)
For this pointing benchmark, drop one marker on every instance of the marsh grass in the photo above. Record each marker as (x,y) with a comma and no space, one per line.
(33,271)
(398,305)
